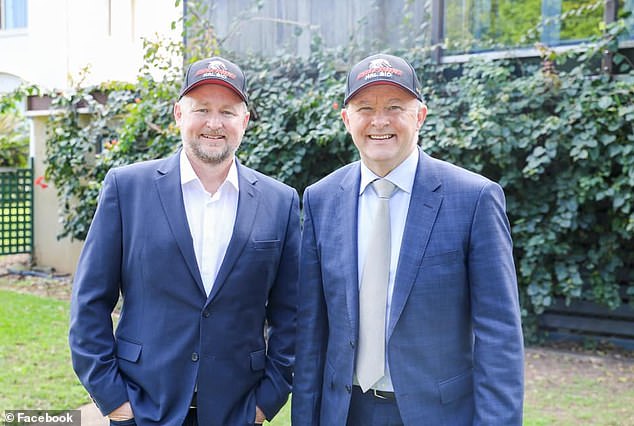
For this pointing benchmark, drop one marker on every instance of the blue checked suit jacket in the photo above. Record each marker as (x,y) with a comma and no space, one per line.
(454,335)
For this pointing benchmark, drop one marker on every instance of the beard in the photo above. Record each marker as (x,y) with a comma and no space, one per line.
(213,157)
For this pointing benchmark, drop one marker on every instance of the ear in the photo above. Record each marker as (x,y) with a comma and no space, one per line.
(245,121)
(178,113)
(422,114)
(345,118)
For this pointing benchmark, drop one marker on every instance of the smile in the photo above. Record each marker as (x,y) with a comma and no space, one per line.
(380,137)
(213,137)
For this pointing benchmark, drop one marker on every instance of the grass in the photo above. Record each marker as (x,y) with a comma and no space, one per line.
(35,368)
(580,401)
(283,418)
(35,373)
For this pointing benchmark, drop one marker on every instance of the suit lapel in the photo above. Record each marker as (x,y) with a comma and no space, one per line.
(168,184)
(423,209)
(346,220)
(248,200)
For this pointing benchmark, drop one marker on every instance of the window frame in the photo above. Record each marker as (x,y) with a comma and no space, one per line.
(3,16)
(610,15)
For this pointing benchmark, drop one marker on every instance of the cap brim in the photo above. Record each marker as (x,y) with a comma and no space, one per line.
(214,81)
(381,82)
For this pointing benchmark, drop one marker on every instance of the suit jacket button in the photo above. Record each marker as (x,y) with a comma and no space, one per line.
(352,344)
(194,356)
(349,388)
(206,313)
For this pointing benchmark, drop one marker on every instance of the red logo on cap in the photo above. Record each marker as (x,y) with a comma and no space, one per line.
(216,68)
(379,68)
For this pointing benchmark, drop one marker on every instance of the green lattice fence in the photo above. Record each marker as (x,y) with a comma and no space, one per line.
(16,211)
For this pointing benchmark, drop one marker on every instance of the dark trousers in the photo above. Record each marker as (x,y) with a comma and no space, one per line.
(191,419)
(130,422)
(369,410)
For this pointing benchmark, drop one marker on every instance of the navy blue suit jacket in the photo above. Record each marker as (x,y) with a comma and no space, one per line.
(170,336)
(454,336)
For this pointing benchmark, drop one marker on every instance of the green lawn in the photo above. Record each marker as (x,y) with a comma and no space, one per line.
(580,401)
(35,368)
(283,418)
(35,373)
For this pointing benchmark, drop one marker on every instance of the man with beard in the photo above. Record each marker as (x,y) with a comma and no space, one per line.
(204,252)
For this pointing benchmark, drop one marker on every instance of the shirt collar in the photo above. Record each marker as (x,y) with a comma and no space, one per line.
(189,175)
(402,176)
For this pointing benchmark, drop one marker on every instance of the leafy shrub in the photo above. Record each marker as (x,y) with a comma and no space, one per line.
(14,132)
(562,146)
(556,134)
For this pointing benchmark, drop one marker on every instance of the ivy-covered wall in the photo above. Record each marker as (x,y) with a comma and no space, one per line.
(557,134)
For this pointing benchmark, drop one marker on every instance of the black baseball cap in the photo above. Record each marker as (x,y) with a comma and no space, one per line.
(382,69)
(216,70)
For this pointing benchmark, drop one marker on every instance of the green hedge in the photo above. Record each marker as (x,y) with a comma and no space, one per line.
(557,134)
(562,146)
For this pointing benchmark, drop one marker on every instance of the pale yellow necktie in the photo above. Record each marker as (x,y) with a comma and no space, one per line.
(373,292)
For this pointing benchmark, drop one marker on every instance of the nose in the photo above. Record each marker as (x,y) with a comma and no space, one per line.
(380,119)
(214,121)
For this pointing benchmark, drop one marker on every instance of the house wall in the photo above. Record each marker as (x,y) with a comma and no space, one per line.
(48,250)
(63,37)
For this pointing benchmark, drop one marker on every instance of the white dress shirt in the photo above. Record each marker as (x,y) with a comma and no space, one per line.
(211,218)
(403,177)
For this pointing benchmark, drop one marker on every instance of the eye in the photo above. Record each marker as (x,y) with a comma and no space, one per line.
(201,110)
(395,108)
(364,109)
(228,113)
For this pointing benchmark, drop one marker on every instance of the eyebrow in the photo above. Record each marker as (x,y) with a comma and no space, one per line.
(365,102)
(210,103)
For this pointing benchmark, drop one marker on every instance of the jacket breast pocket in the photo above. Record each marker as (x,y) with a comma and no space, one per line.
(128,351)
(441,258)
(266,244)
(265,250)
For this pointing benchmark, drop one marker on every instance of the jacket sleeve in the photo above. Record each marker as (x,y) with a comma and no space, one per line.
(272,392)
(498,345)
(312,329)
(94,296)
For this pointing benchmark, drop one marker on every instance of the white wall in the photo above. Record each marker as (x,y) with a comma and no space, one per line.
(62,38)
(48,250)
(65,36)
(8,82)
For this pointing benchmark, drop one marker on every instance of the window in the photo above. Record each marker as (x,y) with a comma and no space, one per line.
(12,14)
(481,25)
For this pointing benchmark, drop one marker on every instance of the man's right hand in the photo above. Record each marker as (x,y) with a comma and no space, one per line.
(124,412)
